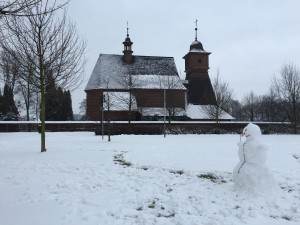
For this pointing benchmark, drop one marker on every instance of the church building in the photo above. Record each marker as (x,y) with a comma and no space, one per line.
(149,87)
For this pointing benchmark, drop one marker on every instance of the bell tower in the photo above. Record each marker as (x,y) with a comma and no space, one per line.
(199,87)
(127,52)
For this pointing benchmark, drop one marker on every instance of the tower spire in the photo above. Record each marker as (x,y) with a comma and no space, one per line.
(127,57)
(196,29)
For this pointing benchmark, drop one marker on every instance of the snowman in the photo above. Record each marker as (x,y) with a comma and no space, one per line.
(251,174)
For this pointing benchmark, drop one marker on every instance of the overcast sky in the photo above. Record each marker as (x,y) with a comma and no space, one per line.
(249,40)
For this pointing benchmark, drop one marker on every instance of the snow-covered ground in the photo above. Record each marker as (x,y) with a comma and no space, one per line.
(183,180)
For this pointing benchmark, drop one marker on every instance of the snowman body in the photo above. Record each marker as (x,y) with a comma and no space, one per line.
(251,173)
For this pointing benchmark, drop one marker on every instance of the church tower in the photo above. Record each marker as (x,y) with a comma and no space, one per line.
(199,87)
(127,52)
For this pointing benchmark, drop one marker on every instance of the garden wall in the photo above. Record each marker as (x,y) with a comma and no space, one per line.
(145,127)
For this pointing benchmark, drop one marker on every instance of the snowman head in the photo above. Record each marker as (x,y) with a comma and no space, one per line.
(251,131)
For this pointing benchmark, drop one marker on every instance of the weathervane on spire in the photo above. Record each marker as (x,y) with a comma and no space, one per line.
(127,28)
(196,29)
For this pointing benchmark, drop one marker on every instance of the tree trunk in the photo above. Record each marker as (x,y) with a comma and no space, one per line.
(43,110)
(27,113)
(27,117)
(170,115)
(37,106)
(130,105)
(28,101)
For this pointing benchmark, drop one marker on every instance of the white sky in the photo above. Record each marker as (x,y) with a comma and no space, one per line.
(249,40)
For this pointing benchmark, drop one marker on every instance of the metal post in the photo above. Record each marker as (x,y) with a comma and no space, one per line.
(102,112)
(165,112)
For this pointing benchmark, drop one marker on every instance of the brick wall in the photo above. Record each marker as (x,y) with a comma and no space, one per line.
(93,101)
(155,98)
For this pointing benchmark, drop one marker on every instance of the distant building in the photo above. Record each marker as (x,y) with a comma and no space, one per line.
(142,87)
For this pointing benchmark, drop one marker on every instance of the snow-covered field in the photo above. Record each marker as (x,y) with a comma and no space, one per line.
(183,180)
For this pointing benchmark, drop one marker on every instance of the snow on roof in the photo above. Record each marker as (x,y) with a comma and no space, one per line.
(201,112)
(110,68)
(158,82)
(119,101)
(198,50)
(156,111)
(184,81)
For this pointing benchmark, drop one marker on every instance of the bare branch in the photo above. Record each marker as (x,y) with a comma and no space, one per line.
(223,95)
(22,8)
(287,89)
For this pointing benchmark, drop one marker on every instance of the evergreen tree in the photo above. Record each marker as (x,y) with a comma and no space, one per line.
(8,107)
(58,103)
(52,101)
(67,105)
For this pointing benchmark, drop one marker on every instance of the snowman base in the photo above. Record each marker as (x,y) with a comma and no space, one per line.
(253,178)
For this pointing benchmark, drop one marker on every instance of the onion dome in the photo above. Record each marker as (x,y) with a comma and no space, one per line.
(196,45)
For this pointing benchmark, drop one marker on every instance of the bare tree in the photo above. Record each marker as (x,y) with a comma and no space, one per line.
(223,94)
(49,43)
(129,82)
(27,90)
(168,84)
(16,7)
(9,73)
(106,106)
(82,108)
(21,7)
(250,106)
(12,73)
(287,87)
(271,108)
(36,100)
(9,69)
(235,109)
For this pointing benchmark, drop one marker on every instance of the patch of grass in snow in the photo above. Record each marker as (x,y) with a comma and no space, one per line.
(139,208)
(286,218)
(212,177)
(152,205)
(167,215)
(163,212)
(297,157)
(119,159)
(144,168)
(180,172)
(287,188)
(169,190)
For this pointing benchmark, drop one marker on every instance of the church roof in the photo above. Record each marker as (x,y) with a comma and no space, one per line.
(110,68)
(202,112)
